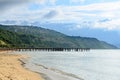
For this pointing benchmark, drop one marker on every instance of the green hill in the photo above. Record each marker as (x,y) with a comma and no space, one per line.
(31,36)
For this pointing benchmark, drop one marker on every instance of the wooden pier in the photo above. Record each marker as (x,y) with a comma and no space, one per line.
(48,49)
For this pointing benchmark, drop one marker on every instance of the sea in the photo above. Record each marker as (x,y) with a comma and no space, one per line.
(98,64)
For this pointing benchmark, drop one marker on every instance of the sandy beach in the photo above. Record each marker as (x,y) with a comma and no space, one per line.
(11,68)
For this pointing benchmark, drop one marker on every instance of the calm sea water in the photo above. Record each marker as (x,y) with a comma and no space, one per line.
(93,65)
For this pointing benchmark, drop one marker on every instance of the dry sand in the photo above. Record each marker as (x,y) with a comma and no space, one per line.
(11,68)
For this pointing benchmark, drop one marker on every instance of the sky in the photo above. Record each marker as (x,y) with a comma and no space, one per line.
(92,15)
(103,14)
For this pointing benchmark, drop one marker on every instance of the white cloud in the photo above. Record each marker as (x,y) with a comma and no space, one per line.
(43,2)
(53,2)
(40,2)
(96,12)
(80,14)
(110,6)
(76,1)
(82,0)
(109,25)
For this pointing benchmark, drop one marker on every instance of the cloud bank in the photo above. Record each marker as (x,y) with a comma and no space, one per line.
(95,15)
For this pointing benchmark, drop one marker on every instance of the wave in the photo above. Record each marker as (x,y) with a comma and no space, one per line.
(60,72)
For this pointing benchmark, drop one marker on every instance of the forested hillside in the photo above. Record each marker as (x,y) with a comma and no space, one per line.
(32,36)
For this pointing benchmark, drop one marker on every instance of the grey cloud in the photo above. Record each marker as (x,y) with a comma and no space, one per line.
(51,14)
(104,20)
(6,4)
(8,22)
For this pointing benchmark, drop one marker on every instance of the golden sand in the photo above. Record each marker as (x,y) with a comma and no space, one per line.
(11,68)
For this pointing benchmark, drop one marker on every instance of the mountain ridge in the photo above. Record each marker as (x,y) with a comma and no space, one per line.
(33,36)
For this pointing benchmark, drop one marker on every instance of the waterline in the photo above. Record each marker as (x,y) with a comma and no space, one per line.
(93,65)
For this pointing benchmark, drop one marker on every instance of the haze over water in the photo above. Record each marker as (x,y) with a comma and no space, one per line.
(93,65)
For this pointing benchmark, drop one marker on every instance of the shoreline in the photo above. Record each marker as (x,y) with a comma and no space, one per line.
(50,73)
(18,70)
(11,68)
(60,72)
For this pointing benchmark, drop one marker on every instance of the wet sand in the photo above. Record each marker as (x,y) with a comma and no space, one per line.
(50,73)
(54,74)
(11,68)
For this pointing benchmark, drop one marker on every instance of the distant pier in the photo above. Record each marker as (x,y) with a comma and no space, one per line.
(48,49)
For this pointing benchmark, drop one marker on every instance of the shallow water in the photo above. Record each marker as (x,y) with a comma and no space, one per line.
(93,65)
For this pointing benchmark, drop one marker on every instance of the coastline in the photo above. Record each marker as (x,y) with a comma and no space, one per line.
(55,74)
(50,73)
(11,68)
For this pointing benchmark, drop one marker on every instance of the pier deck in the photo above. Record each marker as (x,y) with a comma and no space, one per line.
(48,49)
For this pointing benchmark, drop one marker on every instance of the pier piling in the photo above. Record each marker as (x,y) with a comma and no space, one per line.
(48,49)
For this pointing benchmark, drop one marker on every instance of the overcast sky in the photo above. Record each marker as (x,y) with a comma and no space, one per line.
(100,14)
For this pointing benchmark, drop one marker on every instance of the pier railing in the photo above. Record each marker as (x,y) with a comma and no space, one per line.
(48,49)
